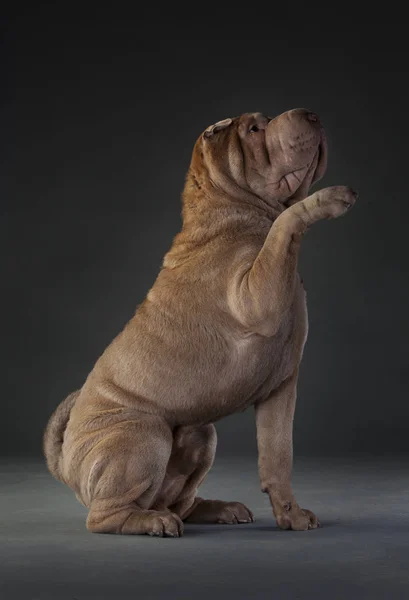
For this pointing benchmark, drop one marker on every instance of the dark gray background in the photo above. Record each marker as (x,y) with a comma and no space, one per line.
(99,117)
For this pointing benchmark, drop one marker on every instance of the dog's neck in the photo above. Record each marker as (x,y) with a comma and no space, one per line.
(209,212)
(211,209)
(204,194)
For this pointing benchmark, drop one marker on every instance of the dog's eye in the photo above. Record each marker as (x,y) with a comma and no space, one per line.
(254,129)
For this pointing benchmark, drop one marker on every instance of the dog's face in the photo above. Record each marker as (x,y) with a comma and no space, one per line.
(277,159)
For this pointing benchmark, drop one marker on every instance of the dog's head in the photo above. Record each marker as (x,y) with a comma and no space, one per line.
(275,159)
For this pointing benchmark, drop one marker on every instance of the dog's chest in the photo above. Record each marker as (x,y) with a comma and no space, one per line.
(259,364)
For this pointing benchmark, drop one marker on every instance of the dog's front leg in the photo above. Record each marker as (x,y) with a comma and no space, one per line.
(259,295)
(274,421)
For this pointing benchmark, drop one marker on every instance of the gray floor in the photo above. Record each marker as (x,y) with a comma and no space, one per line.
(362,550)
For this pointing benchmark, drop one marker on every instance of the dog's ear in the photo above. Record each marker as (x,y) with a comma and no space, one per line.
(217,127)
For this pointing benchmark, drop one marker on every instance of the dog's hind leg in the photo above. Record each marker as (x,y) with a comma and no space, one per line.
(193,453)
(121,475)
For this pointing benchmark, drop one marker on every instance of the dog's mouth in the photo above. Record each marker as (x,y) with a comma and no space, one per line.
(322,157)
(308,174)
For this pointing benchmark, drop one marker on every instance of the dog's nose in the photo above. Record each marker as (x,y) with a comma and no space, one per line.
(312,117)
(304,114)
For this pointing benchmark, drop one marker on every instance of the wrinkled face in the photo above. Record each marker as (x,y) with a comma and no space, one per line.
(276,159)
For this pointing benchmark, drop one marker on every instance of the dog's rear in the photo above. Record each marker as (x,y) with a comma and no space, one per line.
(54,434)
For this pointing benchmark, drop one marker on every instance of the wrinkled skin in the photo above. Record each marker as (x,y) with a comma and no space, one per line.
(222,329)
(276,159)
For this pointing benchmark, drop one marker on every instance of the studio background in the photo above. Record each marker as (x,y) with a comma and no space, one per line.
(98,128)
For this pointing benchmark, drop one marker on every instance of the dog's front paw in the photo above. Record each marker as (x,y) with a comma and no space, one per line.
(298,519)
(335,201)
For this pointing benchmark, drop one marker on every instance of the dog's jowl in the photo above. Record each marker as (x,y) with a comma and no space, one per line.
(222,328)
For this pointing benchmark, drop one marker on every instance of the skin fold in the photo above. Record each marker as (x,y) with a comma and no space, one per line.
(222,329)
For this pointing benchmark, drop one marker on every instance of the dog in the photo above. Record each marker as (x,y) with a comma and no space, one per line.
(223,328)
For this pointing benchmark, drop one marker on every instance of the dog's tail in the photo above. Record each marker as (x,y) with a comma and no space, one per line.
(54,434)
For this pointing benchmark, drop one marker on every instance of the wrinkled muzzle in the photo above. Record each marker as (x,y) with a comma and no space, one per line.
(297,149)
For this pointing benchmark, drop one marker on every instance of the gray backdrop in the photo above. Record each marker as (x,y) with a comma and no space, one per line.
(98,124)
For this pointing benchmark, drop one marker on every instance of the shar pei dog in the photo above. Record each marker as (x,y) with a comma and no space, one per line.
(223,328)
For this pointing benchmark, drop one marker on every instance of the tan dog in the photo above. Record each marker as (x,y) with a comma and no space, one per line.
(222,328)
